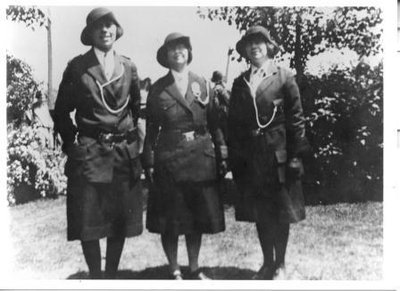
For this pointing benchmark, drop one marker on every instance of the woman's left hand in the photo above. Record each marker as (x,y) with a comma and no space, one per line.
(223,169)
(295,167)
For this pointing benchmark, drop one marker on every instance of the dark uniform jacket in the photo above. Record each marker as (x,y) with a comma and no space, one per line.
(258,157)
(85,89)
(169,117)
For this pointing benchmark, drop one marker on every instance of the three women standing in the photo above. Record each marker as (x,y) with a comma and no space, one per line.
(183,144)
(266,137)
(104,197)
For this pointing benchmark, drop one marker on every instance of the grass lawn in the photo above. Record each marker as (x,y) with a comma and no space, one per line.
(335,242)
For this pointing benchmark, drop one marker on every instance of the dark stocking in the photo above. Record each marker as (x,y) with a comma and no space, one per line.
(266,233)
(280,244)
(91,251)
(113,255)
(170,246)
(193,243)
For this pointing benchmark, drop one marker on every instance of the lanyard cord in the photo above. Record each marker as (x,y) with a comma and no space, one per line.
(101,86)
(253,95)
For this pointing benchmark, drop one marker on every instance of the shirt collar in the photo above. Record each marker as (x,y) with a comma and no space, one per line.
(267,67)
(101,55)
(184,75)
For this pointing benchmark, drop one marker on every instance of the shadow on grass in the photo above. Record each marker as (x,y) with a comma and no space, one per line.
(161,273)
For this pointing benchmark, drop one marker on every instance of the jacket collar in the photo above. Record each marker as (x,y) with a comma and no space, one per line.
(172,90)
(270,69)
(96,71)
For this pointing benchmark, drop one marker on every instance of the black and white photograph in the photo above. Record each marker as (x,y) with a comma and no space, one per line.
(215,143)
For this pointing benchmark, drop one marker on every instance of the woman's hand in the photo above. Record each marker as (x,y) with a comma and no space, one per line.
(295,167)
(149,174)
(223,169)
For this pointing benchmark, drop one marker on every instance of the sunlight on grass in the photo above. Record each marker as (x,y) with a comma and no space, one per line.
(335,242)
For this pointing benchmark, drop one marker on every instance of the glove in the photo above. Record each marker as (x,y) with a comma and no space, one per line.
(223,169)
(149,174)
(295,167)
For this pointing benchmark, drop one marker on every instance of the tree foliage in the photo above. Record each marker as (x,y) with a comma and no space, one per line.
(303,32)
(30,15)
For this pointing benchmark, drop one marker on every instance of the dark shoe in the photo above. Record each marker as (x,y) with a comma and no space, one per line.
(265,273)
(198,275)
(176,275)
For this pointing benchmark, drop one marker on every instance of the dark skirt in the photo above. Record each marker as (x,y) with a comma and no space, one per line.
(97,210)
(183,208)
(284,204)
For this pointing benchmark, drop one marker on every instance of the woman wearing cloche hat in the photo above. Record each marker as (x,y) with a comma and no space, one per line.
(103,168)
(266,138)
(185,147)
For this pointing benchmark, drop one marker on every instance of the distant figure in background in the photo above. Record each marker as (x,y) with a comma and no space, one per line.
(144,91)
(104,195)
(266,142)
(221,100)
(40,115)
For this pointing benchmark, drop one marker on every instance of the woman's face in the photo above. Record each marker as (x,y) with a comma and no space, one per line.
(104,34)
(256,50)
(177,55)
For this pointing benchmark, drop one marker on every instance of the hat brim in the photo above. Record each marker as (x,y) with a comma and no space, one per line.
(86,37)
(162,57)
(241,45)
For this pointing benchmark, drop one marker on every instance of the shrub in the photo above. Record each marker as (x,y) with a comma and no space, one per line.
(33,169)
(345,126)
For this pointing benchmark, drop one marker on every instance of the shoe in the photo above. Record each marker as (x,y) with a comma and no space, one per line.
(176,275)
(265,273)
(280,273)
(198,275)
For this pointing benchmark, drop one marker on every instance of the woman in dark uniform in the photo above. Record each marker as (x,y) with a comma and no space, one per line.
(103,194)
(266,139)
(183,134)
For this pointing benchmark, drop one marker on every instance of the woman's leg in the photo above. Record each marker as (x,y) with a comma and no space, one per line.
(266,232)
(170,246)
(193,244)
(91,251)
(113,255)
(280,244)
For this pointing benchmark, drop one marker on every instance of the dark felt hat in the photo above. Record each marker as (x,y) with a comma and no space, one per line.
(172,38)
(93,17)
(252,32)
(217,77)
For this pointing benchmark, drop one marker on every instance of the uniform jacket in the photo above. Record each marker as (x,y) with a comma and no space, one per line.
(81,89)
(168,113)
(258,157)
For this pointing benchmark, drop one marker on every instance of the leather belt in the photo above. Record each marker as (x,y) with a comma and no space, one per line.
(177,135)
(111,137)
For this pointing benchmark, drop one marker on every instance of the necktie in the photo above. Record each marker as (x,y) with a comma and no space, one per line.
(108,66)
(181,85)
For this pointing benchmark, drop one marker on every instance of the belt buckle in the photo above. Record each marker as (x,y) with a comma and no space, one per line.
(105,137)
(189,136)
(256,132)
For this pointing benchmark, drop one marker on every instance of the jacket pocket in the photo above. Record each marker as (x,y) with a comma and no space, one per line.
(281,158)
(193,164)
(77,155)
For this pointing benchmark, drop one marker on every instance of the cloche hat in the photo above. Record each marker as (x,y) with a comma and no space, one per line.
(253,31)
(93,17)
(174,37)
